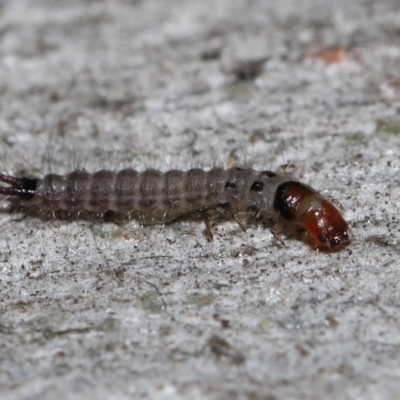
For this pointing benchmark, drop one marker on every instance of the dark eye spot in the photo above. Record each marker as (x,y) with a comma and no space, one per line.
(230,185)
(257,186)
(238,169)
(270,174)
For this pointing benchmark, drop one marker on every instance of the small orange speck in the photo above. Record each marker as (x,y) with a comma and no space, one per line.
(332,54)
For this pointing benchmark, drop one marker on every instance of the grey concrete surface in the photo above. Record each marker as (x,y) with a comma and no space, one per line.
(93,310)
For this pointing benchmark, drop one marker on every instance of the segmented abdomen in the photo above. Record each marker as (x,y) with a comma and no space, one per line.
(152,195)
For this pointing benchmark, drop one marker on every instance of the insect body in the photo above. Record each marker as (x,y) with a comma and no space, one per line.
(153,196)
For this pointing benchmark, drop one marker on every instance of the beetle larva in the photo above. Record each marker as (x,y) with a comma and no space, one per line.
(154,197)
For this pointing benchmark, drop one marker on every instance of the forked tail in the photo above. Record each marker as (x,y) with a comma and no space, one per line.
(23,188)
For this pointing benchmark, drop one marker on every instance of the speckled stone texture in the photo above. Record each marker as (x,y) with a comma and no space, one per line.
(102,310)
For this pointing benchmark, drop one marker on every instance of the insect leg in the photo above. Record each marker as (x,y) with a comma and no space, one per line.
(206,220)
(278,237)
(239,222)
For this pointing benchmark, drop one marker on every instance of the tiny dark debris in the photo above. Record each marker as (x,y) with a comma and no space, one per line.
(249,70)
(222,349)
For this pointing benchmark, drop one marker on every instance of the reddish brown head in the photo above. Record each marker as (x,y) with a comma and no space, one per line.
(324,226)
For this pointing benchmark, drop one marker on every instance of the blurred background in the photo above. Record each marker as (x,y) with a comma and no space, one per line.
(98,310)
